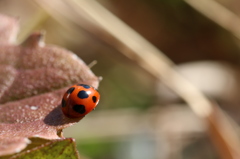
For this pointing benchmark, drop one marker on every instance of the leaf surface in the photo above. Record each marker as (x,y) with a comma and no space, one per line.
(33,79)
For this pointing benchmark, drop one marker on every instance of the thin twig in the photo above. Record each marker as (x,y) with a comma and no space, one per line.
(219,14)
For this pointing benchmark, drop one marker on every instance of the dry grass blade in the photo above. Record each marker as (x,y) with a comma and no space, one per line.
(223,132)
(219,14)
(95,19)
(133,45)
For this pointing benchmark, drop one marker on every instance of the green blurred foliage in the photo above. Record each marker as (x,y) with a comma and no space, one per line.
(97,149)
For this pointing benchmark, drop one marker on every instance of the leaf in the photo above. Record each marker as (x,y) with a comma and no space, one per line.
(61,149)
(33,78)
(41,69)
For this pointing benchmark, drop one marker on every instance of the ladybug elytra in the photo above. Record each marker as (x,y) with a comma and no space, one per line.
(79,100)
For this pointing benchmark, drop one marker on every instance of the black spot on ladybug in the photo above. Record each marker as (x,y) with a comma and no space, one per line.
(82,94)
(63,103)
(84,85)
(79,108)
(70,90)
(94,98)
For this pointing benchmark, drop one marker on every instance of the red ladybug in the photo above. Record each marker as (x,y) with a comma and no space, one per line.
(79,100)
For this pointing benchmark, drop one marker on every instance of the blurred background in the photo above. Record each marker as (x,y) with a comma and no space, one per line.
(138,117)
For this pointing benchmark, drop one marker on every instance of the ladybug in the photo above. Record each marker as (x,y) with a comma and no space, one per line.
(79,100)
